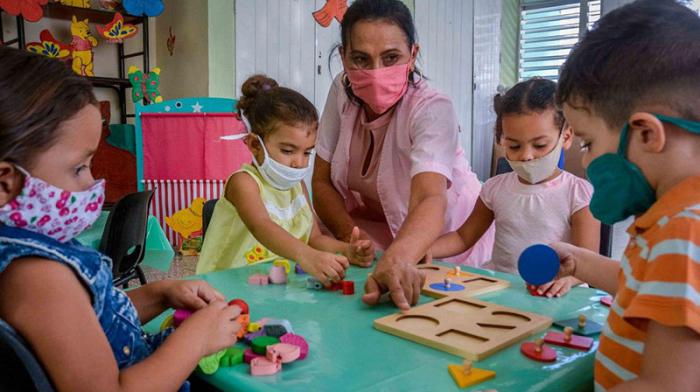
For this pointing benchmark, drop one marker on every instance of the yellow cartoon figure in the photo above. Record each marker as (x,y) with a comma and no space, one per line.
(189,220)
(77,3)
(82,45)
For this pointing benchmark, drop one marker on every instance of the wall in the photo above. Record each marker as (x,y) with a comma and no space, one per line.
(186,72)
(222,48)
(105,54)
(510,30)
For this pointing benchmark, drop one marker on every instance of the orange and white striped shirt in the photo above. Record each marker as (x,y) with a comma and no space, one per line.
(659,280)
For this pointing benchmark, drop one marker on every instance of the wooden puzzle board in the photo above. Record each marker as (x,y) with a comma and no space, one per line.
(469,328)
(474,284)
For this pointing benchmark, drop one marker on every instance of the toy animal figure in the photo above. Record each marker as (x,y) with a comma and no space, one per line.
(188,221)
(77,3)
(82,45)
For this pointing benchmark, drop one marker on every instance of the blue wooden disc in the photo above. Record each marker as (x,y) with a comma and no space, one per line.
(538,264)
(441,287)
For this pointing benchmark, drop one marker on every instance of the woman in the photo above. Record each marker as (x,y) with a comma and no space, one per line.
(388,158)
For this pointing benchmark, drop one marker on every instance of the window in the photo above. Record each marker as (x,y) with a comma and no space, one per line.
(548,31)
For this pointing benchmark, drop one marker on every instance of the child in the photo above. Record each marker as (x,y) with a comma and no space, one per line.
(631,91)
(537,202)
(265,210)
(57,294)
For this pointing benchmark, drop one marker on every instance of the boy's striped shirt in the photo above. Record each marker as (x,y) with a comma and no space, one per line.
(659,280)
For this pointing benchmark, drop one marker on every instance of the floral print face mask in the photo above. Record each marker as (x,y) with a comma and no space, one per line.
(46,209)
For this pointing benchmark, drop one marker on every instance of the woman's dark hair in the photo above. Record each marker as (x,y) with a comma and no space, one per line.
(264,103)
(530,96)
(642,54)
(392,11)
(37,94)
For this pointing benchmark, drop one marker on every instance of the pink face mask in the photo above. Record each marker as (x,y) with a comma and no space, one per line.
(46,209)
(380,88)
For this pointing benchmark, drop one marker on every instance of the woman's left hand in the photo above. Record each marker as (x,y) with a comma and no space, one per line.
(359,252)
(188,294)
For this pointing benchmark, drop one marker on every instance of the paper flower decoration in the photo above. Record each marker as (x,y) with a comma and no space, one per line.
(143,7)
(29,9)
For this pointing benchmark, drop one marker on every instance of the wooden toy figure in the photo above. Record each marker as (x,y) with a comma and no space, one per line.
(82,45)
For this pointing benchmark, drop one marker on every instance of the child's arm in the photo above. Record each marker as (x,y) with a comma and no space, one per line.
(51,309)
(244,193)
(359,252)
(669,361)
(590,267)
(154,298)
(585,233)
(467,235)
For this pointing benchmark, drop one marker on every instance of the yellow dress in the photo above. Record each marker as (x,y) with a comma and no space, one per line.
(228,242)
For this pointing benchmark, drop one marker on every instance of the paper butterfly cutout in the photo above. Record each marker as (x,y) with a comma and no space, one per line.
(145,85)
(117,31)
(144,7)
(49,46)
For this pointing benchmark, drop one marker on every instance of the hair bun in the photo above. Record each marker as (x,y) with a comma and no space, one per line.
(252,88)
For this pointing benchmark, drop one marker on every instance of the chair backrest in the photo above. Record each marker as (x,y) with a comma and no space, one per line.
(124,237)
(606,237)
(19,368)
(207,212)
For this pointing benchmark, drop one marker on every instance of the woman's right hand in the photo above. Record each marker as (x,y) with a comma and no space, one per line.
(214,326)
(324,266)
(567,258)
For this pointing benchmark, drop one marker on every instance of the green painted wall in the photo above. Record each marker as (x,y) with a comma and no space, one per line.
(222,48)
(510,29)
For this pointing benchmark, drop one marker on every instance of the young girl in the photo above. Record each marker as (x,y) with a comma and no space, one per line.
(57,294)
(537,202)
(265,211)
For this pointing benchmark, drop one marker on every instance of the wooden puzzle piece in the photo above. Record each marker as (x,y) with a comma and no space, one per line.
(533,291)
(538,351)
(466,375)
(538,264)
(259,279)
(297,340)
(278,275)
(568,339)
(473,284)
(249,355)
(580,325)
(348,287)
(607,300)
(286,352)
(259,344)
(470,328)
(261,366)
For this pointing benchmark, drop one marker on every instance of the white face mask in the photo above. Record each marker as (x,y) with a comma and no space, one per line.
(537,170)
(280,176)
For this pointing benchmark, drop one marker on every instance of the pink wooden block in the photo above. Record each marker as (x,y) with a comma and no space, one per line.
(577,342)
(180,315)
(296,340)
(287,352)
(259,279)
(262,366)
(249,355)
(278,275)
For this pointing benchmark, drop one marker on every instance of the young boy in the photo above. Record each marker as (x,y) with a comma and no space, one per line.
(631,91)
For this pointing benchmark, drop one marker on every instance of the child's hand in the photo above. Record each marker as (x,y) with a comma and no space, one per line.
(214,327)
(359,252)
(557,287)
(188,294)
(567,258)
(324,266)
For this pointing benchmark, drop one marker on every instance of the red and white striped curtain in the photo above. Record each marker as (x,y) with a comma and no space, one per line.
(171,196)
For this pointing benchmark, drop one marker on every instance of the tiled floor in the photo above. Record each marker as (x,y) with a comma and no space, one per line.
(182,266)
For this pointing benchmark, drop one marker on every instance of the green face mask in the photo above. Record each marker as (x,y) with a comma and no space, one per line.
(619,187)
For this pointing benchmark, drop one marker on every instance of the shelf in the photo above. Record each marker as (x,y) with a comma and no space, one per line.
(66,12)
(98,81)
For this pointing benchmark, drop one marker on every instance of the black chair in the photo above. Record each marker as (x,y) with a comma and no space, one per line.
(20,370)
(207,212)
(124,237)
